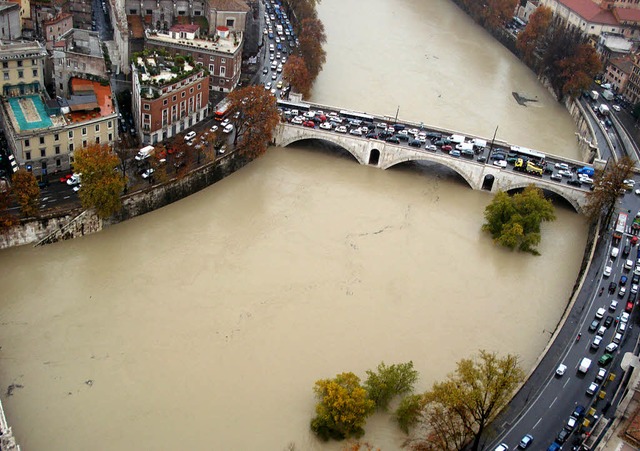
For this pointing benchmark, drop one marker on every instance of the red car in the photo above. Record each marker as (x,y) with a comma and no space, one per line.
(629,307)
(634,240)
(309,124)
(447,148)
(64,178)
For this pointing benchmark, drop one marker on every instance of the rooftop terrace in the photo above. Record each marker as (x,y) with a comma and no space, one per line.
(227,44)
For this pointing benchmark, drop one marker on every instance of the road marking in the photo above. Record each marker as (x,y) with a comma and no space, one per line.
(66,197)
(553,402)
(565,384)
(537,423)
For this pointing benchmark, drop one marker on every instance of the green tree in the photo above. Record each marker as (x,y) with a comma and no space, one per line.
(27,192)
(465,403)
(389,381)
(257,119)
(607,187)
(342,409)
(102,184)
(514,221)
(409,411)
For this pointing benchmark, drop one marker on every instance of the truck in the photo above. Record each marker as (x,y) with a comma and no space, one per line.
(586,170)
(533,169)
(458,139)
(608,95)
(603,109)
(585,364)
(479,143)
(144,153)
(464,146)
(594,95)
(621,224)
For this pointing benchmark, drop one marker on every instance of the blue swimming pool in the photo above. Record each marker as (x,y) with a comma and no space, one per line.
(43,119)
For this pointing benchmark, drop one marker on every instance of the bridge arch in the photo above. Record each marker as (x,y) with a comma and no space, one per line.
(447,162)
(551,188)
(327,137)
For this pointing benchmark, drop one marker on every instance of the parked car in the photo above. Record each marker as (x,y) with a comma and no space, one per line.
(228,128)
(148,173)
(593,387)
(189,136)
(525,441)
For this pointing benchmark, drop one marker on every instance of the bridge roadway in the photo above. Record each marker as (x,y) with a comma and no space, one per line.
(478,174)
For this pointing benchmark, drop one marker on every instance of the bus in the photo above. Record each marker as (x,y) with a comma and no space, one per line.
(287,105)
(532,155)
(621,225)
(357,115)
(222,110)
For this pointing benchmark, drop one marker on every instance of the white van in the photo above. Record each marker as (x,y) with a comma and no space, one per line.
(189,136)
(464,146)
(479,143)
(457,139)
(614,252)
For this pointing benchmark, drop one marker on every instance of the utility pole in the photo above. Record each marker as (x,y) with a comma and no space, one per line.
(397,111)
(492,140)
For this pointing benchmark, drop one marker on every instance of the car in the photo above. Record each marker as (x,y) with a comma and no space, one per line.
(189,136)
(600,313)
(565,173)
(297,120)
(629,307)
(280,84)
(501,447)
(325,126)
(636,270)
(77,188)
(615,252)
(574,182)
(224,123)
(222,149)
(148,173)
(595,344)
(341,129)
(496,156)
(571,423)
(309,124)
(415,143)
(554,447)
(562,437)
(563,166)
(455,153)
(228,128)
(601,331)
(446,148)
(584,179)
(622,327)
(355,132)
(607,271)
(622,292)
(624,318)
(612,287)
(525,441)
(480,159)
(214,128)
(593,388)
(623,280)
(617,338)
(608,321)
(267,86)
(616,108)
(500,163)
(64,178)
(635,278)
(628,264)
(579,411)
(561,369)
(556,177)
(613,306)
(611,347)
(73,180)
(602,372)
(603,361)
(629,182)
(393,139)
(634,288)
(594,325)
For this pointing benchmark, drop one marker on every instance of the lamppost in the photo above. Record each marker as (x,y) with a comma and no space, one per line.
(492,140)
(397,111)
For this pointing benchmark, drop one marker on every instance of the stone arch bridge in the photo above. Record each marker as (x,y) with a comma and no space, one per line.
(383,155)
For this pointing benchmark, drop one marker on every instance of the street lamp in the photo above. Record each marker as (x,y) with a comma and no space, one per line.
(492,140)
(397,111)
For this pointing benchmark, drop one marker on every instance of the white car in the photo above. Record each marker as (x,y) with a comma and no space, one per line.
(616,108)
(622,327)
(74,180)
(213,128)
(355,131)
(189,136)
(634,288)
(617,338)
(595,344)
(611,347)
(600,313)
(622,292)
(565,173)
(77,188)
(228,128)
(561,369)
(564,166)
(325,126)
(629,182)
(613,306)
(502,447)
(297,120)
(500,163)
(146,174)
(614,252)
(602,331)
(224,123)
(607,271)
(628,264)
(341,129)
(267,86)
(571,423)
(585,179)
(593,388)
(602,372)
(624,318)
(637,192)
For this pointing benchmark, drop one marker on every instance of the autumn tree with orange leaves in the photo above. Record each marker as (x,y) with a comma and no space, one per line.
(296,73)
(311,38)
(257,119)
(496,13)
(102,184)
(26,191)
(530,39)
(7,220)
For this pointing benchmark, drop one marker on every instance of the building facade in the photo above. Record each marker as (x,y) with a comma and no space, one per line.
(56,27)
(170,95)
(617,73)
(221,55)
(22,68)
(10,24)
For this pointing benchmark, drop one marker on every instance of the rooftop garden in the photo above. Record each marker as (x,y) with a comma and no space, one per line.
(157,68)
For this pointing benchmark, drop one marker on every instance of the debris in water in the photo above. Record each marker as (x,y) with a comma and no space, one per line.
(12,387)
(522,100)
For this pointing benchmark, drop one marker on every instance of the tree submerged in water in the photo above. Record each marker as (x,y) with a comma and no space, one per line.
(514,221)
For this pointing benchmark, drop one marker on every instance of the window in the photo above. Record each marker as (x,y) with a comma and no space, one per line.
(27,143)
(133,12)
(183,94)
(223,71)
(174,98)
(43,165)
(110,137)
(230,22)
(211,67)
(35,72)
(197,13)
(84,143)
(70,133)
(199,86)
(149,12)
(147,106)
(109,125)
(34,63)
(19,63)
(222,61)
(6,75)
(20,74)
(56,137)
(70,147)
(57,149)
(191,90)
(97,127)
(5,65)
(165,102)
(58,163)
(97,140)
(42,140)
(27,155)
(84,132)
(43,153)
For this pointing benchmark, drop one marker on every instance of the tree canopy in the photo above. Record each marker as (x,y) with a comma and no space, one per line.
(296,73)
(459,408)
(531,38)
(312,37)
(27,192)
(607,187)
(257,119)
(102,184)
(514,221)
(342,409)
(388,381)
(7,220)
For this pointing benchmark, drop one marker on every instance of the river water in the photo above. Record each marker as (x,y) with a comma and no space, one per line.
(204,325)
